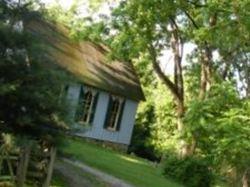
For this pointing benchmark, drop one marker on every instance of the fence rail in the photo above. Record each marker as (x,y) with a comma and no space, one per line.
(18,168)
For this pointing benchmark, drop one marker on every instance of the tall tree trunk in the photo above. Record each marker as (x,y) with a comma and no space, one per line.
(177,95)
(187,149)
(176,87)
(206,72)
(227,60)
(184,148)
(206,62)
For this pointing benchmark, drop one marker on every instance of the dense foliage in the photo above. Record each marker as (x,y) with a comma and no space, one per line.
(30,84)
(190,171)
(201,109)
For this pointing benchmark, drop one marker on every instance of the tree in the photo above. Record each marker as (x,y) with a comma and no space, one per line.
(30,83)
(31,110)
(221,126)
(149,28)
(138,29)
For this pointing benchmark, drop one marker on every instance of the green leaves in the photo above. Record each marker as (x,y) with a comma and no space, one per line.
(221,125)
(219,30)
(30,83)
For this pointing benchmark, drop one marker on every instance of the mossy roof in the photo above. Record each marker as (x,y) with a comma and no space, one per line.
(87,61)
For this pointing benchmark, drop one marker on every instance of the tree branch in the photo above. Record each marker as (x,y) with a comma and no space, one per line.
(172,87)
(196,4)
(177,47)
(191,19)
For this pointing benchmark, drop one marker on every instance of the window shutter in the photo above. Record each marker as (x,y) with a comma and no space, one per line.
(120,116)
(94,108)
(108,112)
(65,90)
(80,107)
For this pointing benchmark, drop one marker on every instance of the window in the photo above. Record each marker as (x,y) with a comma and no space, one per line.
(114,113)
(86,105)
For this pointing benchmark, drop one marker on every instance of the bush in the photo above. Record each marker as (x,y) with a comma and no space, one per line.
(190,171)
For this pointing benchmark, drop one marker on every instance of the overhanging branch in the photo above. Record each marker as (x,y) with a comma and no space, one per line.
(165,79)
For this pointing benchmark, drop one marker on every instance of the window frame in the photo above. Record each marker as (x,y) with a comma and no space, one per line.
(113,118)
(91,109)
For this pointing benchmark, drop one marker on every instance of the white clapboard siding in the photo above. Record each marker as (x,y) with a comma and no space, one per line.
(97,130)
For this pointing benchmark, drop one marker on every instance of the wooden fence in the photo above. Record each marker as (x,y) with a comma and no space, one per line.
(27,165)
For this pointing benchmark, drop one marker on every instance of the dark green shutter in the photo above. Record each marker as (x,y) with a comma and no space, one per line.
(94,108)
(120,116)
(108,112)
(80,107)
(65,90)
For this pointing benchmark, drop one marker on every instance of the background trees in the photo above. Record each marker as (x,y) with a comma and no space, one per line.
(205,88)
(198,112)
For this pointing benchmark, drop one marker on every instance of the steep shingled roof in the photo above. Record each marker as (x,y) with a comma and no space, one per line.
(87,61)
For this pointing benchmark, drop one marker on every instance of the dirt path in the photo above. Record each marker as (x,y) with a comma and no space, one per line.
(75,177)
(80,175)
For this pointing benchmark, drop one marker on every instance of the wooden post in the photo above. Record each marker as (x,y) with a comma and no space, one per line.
(23,166)
(245,178)
(1,162)
(50,167)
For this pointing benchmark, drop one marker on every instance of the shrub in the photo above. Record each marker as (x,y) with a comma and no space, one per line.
(190,171)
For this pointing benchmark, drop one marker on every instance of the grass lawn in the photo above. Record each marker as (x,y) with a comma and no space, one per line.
(132,169)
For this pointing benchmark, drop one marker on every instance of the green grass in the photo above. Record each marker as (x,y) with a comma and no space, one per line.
(137,171)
